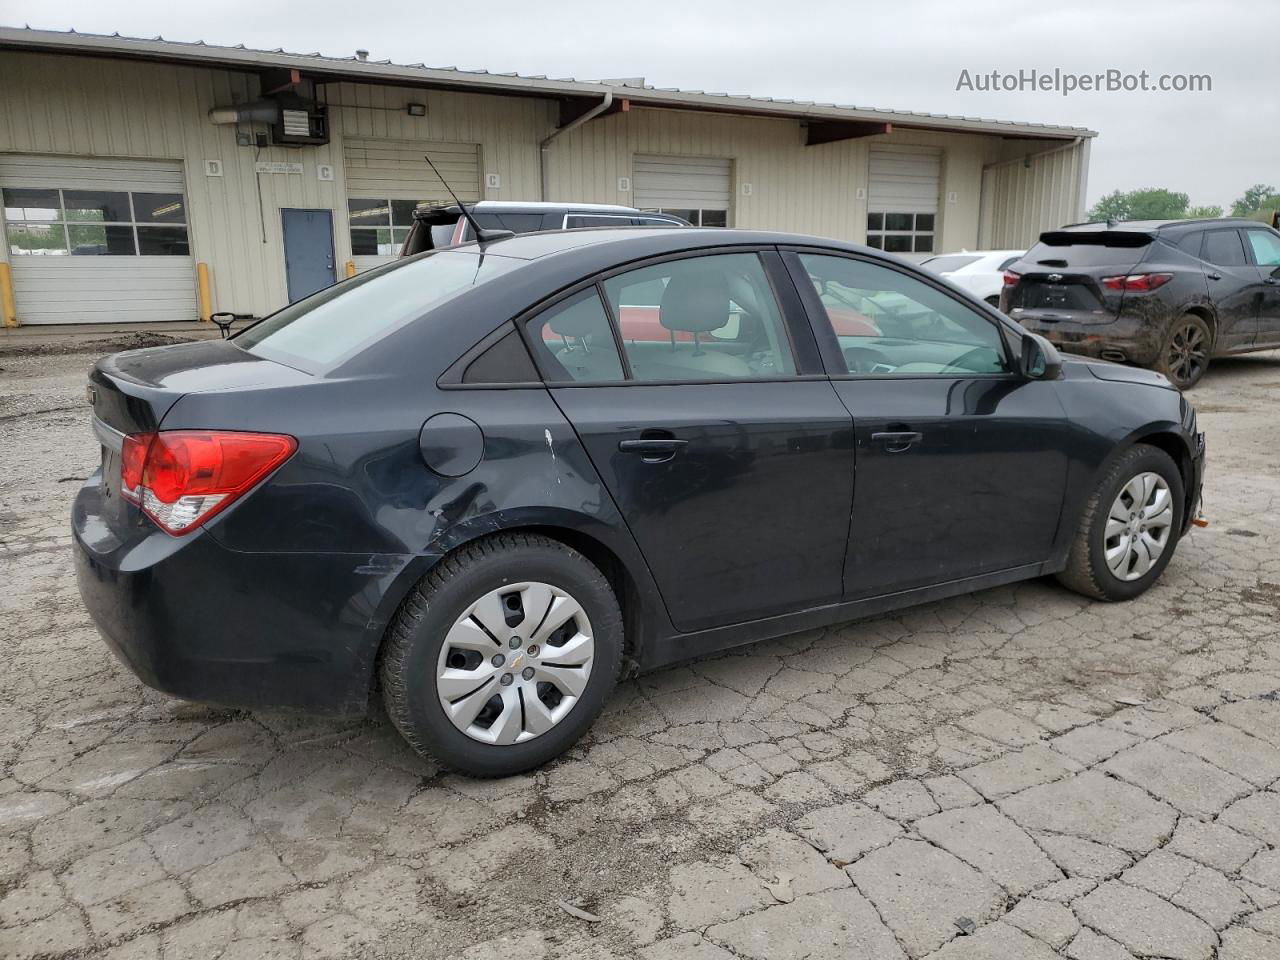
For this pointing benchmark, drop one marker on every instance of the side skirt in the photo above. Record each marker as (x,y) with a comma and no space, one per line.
(663,651)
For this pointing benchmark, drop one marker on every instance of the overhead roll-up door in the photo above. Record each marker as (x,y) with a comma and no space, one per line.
(699,189)
(97,240)
(386,179)
(902,198)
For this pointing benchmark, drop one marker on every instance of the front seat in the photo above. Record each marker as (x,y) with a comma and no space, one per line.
(697,302)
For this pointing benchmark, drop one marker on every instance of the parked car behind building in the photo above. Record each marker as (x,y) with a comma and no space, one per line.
(981,272)
(1165,294)
(445,226)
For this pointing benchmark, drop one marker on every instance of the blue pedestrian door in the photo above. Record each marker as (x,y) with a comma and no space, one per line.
(308,251)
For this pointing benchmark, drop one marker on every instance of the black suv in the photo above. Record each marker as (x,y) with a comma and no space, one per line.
(1166,294)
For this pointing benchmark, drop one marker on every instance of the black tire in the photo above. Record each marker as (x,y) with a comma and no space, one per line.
(1185,351)
(414,639)
(1086,571)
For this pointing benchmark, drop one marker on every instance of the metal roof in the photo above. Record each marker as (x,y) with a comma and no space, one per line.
(325,68)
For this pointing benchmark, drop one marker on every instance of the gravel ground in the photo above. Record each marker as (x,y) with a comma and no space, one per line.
(1018,774)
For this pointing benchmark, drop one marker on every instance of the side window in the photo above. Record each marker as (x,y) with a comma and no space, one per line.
(515,222)
(1192,242)
(1008,262)
(575,220)
(705,318)
(1265,246)
(1223,247)
(888,322)
(574,342)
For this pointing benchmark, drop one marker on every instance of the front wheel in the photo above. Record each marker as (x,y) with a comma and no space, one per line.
(1184,355)
(503,655)
(1129,528)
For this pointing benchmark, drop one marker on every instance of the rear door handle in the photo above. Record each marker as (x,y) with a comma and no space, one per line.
(1214,276)
(897,441)
(653,449)
(1271,280)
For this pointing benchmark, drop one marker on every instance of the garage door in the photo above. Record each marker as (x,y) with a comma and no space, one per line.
(94,240)
(386,179)
(902,199)
(696,188)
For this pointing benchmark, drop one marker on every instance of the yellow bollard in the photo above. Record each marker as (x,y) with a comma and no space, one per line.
(206,294)
(7,308)
(351,269)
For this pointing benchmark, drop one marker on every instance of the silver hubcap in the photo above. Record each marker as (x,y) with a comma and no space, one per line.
(1138,526)
(515,663)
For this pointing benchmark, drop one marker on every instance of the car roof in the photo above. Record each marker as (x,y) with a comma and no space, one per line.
(1145,226)
(640,241)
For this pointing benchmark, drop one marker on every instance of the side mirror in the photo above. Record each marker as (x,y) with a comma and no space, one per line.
(1040,359)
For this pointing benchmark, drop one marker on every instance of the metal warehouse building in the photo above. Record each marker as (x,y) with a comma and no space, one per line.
(125,200)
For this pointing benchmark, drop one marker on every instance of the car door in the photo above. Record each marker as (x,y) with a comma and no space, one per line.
(1235,287)
(961,462)
(703,407)
(1264,247)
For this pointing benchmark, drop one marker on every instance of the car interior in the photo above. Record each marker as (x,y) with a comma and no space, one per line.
(707,318)
(907,327)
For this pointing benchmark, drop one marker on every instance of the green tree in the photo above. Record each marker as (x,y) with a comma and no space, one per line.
(1152,203)
(1203,213)
(1258,202)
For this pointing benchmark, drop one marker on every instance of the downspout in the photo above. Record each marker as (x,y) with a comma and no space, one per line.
(983,215)
(590,115)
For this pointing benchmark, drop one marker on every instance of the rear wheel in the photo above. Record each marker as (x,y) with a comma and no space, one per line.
(1129,528)
(503,655)
(1184,355)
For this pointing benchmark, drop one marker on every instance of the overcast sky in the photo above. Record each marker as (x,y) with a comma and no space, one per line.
(904,54)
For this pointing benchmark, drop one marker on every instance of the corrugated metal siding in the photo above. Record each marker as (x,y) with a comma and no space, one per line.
(700,183)
(1020,202)
(120,109)
(127,109)
(395,169)
(904,179)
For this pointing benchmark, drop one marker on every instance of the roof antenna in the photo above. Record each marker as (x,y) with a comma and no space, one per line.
(483,236)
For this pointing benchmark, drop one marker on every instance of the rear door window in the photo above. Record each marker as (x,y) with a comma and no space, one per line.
(704,318)
(1192,243)
(949,263)
(1223,247)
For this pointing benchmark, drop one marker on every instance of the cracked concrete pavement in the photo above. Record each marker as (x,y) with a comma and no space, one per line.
(1019,773)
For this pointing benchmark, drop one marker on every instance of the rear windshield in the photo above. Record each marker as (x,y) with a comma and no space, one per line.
(1088,249)
(948,264)
(317,333)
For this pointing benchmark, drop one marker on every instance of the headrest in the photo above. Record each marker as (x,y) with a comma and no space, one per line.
(582,319)
(695,302)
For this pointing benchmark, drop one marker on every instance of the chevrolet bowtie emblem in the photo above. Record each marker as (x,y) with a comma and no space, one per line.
(1055,277)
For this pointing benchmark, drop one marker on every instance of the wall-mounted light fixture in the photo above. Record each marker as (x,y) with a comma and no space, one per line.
(416,109)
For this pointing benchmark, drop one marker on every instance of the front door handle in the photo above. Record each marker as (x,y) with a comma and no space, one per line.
(1214,276)
(897,441)
(653,449)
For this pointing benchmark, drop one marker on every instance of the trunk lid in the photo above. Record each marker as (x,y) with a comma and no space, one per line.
(1061,276)
(132,392)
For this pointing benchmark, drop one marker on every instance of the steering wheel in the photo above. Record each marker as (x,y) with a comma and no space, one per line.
(960,363)
(863,359)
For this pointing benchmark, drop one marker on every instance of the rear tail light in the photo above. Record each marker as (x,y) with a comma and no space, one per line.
(1137,282)
(181,478)
(1011,279)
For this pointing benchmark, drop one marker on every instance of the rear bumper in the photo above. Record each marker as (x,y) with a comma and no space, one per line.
(1136,338)
(196,620)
